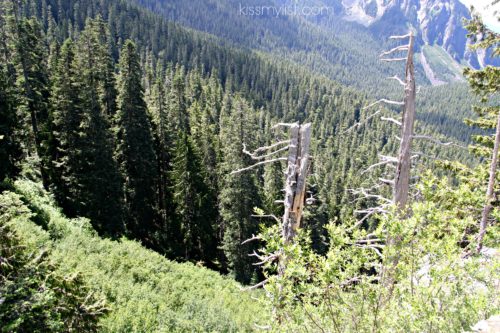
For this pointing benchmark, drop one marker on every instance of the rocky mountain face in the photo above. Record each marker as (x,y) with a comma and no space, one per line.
(441,36)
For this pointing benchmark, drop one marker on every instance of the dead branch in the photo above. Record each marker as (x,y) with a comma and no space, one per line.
(388,158)
(395,77)
(392,120)
(370,240)
(377,209)
(396,49)
(267,216)
(254,238)
(258,285)
(258,164)
(264,259)
(368,212)
(359,123)
(383,100)
(400,37)
(377,251)
(285,125)
(255,153)
(386,181)
(430,138)
(267,155)
(367,195)
(393,59)
(373,166)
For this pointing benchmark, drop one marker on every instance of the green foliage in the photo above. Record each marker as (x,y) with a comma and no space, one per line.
(485,83)
(134,151)
(96,174)
(171,82)
(35,296)
(345,291)
(195,205)
(23,42)
(66,117)
(9,147)
(239,192)
(144,291)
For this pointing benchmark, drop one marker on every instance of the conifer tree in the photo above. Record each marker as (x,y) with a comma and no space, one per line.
(486,84)
(98,176)
(239,193)
(66,114)
(25,41)
(99,39)
(177,102)
(162,134)
(135,154)
(194,203)
(9,147)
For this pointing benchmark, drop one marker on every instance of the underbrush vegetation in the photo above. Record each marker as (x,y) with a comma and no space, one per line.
(404,275)
(111,286)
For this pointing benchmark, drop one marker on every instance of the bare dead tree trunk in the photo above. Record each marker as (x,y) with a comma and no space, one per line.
(402,180)
(290,183)
(490,193)
(298,167)
(295,187)
(403,165)
(298,162)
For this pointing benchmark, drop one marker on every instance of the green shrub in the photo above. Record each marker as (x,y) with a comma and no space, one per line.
(34,296)
(419,282)
(145,292)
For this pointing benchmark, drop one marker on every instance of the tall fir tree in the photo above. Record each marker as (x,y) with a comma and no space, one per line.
(239,193)
(99,176)
(26,43)
(10,153)
(66,114)
(486,84)
(177,101)
(194,202)
(134,152)
(162,135)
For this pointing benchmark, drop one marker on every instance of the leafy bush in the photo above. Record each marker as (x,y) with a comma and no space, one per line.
(144,291)
(409,274)
(34,296)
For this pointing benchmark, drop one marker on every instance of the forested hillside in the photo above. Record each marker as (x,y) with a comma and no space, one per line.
(147,153)
(132,125)
(326,44)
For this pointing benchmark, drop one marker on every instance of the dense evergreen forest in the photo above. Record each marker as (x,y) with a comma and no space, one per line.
(135,130)
(132,125)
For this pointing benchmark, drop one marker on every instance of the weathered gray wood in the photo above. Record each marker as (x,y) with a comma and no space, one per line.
(295,188)
(303,163)
(298,167)
(403,168)
(490,193)
(290,182)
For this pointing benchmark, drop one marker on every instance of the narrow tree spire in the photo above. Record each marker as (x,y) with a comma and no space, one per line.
(135,154)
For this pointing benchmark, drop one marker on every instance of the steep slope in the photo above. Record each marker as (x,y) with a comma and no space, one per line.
(327,35)
(343,51)
(280,90)
(144,291)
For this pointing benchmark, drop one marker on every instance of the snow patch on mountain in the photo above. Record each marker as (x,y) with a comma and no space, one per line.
(365,12)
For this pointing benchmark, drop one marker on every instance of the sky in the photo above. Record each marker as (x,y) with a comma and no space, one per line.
(487,11)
